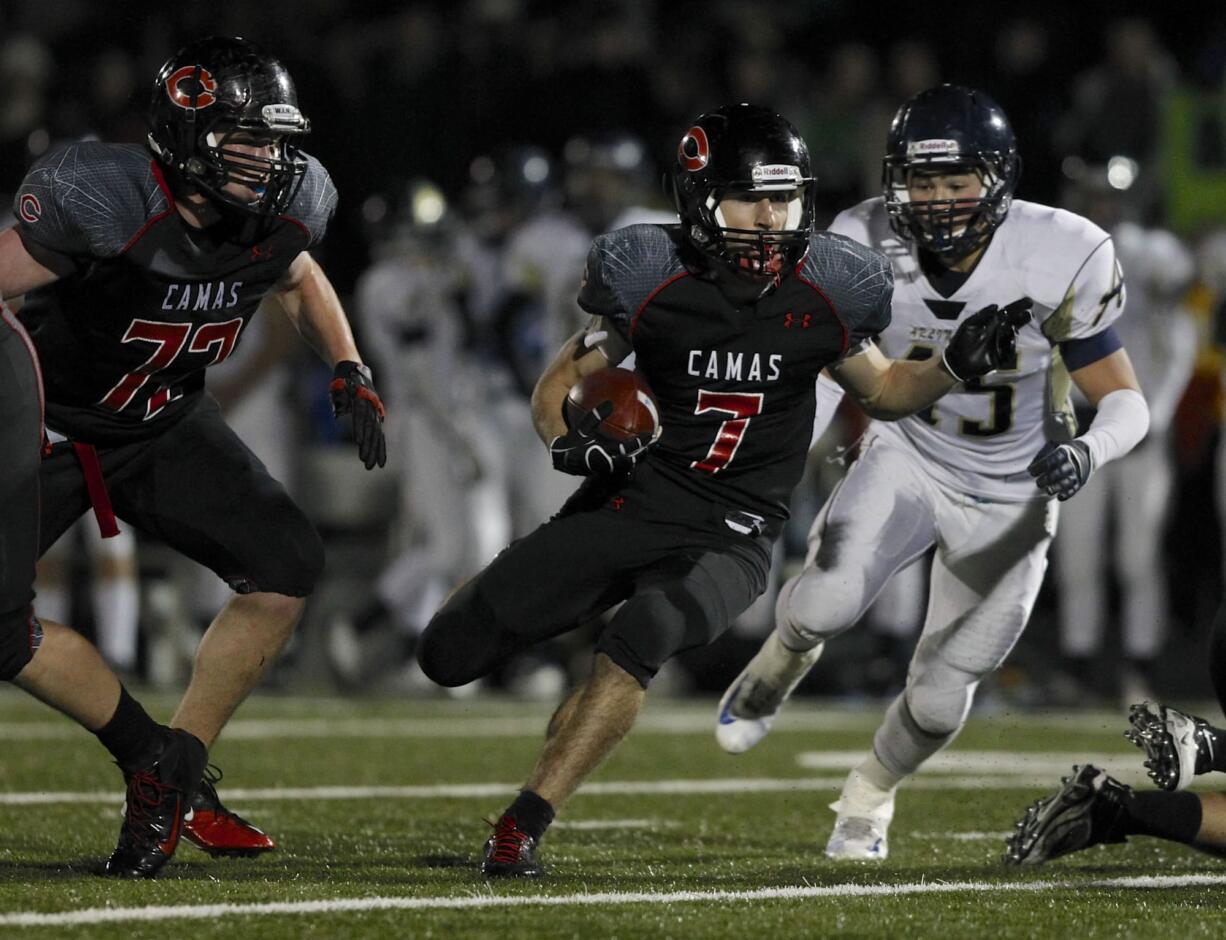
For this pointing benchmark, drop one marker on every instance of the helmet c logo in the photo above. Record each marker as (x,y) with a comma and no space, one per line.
(29,208)
(194,73)
(695,150)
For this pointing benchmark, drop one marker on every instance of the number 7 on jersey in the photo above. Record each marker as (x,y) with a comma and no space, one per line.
(742,406)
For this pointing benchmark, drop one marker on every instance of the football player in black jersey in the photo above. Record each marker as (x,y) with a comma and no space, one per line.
(53,663)
(140,268)
(731,315)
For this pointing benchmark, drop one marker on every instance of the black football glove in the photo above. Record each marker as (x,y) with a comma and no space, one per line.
(584,451)
(353,392)
(1061,470)
(986,340)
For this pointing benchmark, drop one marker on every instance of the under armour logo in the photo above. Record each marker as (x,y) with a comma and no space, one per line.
(804,321)
(260,252)
(617,502)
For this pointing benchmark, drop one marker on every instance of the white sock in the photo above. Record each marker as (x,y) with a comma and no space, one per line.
(868,791)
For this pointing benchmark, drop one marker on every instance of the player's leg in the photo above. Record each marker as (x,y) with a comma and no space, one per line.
(116,596)
(1144,479)
(878,519)
(1078,562)
(203,492)
(558,576)
(985,578)
(1092,808)
(683,602)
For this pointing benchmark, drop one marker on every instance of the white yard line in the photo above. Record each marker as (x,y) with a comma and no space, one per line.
(236,796)
(94,916)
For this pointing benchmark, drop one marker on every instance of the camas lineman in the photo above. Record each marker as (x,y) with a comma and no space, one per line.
(958,475)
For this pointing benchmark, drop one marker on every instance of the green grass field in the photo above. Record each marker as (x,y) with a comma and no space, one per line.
(378,809)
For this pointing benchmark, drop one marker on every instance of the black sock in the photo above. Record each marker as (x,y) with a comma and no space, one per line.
(531,813)
(1217,749)
(132,737)
(1173,816)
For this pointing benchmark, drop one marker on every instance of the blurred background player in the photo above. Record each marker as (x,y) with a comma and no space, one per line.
(114,588)
(423,308)
(954,475)
(1116,525)
(140,267)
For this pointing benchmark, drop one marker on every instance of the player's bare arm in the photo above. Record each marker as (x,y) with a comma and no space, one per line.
(584,353)
(19,272)
(890,389)
(310,302)
(1109,374)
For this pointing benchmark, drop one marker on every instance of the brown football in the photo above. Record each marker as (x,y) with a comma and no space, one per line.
(635,412)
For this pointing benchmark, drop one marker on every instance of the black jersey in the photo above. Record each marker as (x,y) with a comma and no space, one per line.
(735,383)
(145,302)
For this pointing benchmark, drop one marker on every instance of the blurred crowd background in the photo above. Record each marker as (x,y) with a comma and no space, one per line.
(479,145)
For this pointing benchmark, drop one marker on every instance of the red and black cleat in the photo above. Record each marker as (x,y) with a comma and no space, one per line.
(510,852)
(153,811)
(214,829)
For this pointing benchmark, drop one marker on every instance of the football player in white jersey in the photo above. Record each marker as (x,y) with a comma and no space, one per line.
(962,475)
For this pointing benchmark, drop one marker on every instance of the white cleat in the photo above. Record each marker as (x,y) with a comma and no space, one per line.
(1177,746)
(749,707)
(859,839)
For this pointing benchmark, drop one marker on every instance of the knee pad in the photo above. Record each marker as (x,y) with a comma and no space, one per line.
(819,604)
(463,641)
(20,637)
(939,698)
(647,631)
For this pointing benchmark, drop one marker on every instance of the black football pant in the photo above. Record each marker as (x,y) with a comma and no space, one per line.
(197,487)
(21,438)
(683,573)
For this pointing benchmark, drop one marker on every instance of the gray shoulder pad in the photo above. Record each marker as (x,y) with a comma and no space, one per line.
(315,201)
(856,280)
(624,267)
(89,198)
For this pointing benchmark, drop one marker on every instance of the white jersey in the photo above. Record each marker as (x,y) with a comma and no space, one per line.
(981,436)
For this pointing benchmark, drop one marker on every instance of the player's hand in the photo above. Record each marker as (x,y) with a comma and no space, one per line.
(584,451)
(1061,470)
(353,392)
(986,340)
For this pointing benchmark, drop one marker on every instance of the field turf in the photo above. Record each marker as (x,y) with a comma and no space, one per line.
(378,807)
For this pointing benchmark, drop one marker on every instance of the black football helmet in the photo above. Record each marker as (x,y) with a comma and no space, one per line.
(950,129)
(744,148)
(206,91)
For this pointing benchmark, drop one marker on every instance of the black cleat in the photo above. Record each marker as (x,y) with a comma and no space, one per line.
(1177,746)
(153,812)
(1087,810)
(212,828)
(510,852)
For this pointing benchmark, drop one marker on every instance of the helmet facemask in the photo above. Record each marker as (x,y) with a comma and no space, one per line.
(953,228)
(756,253)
